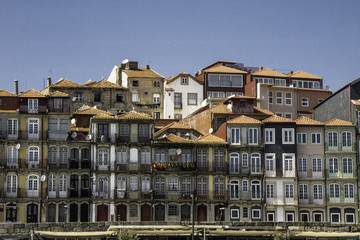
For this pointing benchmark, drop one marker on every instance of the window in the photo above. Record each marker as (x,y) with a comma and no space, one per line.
(64,125)
(156,83)
(245,185)
(335,217)
(33,127)
(346,139)
(11,185)
(234,190)
(223,80)
(280,82)
(269,136)
(289,190)
(271,97)
(103,157)
(256,214)
(253,136)
(160,185)
(202,185)
(156,115)
(58,103)
(333,139)
(160,156)
(177,100)
(235,136)
(186,185)
(12,156)
(270,217)
(97,97)
(133,183)
(234,163)
(135,97)
(33,105)
(303,192)
(235,213)
(143,130)
(269,162)
(288,99)
(133,210)
(173,184)
(219,158)
(192,98)
(347,165)
(265,80)
(178,116)
(78,97)
(278,97)
(334,190)
(288,162)
(245,160)
(349,218)
(255,190)
(52,152)
(119,97)
(255,163)
(269,190)
(302,165)
(318,191)
(289,217)
(53,125)
(135,83)
(316,165)
(103,130)
(12,127)
(288,136)
(333,165)
(33,157)
(33,185)
(121,183)
(288,115)
(63,185)
(216,94)
(318,217)
(173,210)
(305,102)
(245,212)
(316,138)
(145,156)
(301,138)
(121,156)
(186,156)
(134,155)
(348,190)
(124,130)
(145,184)
(278,114)
(184,80)
(219,186)
(156,98)
(202,158)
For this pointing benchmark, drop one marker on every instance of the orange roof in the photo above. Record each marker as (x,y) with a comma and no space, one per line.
(91,111)
(356,102)
(134,115)
(176,139)
(301,74)
(103,116)
(142,73)
(66,83)
(265,111)
(32,93)
(173,125)
(268,72)
(6,93)
(223,69)
(338,122)
(171,79)
(209,139)
(58,94)
(244,119)
(9,111)
(308,121)
(89,82)
(105,84)
(277,119)
(220,108)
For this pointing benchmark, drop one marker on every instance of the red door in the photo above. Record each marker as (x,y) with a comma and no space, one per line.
(121,213)
(202,213)
(145,212)
(102,213)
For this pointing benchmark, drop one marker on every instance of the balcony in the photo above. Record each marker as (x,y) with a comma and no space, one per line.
(311,174)
(122,167)
(159,195)
(222,168)
(122,139)
(103,167)
(311,201)
(33,165)
(342,199)
(282,200)
(100,195)
(202,168)
(120,193)
(340,147)
(57,135)
(340,174)
(270,173)
(144,139)
(39,109)
(12,163)
(290,173)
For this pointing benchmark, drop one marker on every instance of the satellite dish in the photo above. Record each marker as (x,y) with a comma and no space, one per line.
(73,135)
(73,121)
(211,130)
(74,99)
(88,137)
(102,138)
(178,151)
(125,61)
(18,146)
(43,178)
(187,134)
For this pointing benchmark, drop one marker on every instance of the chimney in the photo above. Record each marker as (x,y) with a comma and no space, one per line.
(48,81)
(16,86)
(261,68)
(148,67)
(291,72)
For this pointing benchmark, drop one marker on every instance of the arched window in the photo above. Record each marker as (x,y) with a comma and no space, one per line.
(234,190)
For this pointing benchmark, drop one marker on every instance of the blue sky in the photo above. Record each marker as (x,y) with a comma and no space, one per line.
(79,40)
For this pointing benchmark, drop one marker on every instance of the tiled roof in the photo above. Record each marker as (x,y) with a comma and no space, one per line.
(220,108)
(244,119)
(9,111)
(223,69)
(301,74)
(265,111)
(338,122)
(32,93)
(209,139)
(143,73)
(73,128)
(308,121)
(103,116)
(106,84)
(6,93)
(171,79)
(58,94)
(173,125)
(89,82)
(91,111)
(176,139)
(134,115)
(277,119)
(268,72)
(66,83)
(356,102)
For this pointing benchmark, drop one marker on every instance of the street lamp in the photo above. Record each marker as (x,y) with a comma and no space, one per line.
(222,209)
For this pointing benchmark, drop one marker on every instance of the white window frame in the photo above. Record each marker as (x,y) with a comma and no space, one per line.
(287,217)
(33,105)
(288,136)
(253,136)
(279,96)
(156,98)
(301,138)
(348,214)
(235,136)
(134,183)
(304,102)
(245,160)
(288,100)
(316,137)
(270,191)
(234,190)
(270,162)
(267,216)
(269,135)
(245,185)
(253,213)
(173,183)
(234,163)
(235,213)
(255,163)
(192,99)
(321,216)
(331,218)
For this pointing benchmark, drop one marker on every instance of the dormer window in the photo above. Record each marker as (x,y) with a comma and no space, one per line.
(184,80)
(33,105)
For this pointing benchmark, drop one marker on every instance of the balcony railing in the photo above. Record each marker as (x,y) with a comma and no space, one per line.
(282,200)
(340,174)
(342,199)
(311,174)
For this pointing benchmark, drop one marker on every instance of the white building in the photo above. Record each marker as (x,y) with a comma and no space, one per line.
(183,95)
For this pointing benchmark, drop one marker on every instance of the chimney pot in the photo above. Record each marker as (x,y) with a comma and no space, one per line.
(148,67)
(291,72)
(49,81)
(261,68)
(16,86)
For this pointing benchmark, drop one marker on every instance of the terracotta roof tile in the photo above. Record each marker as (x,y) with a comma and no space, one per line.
(58,94)
(308,121)
(277,119)
(134,115)
(356,102)
(143,73)
(268,72)
(209,139)
(220,108)
(91,111)
(171,79)
(338,122)
(104,116)
(89,82)
(301,74)
(106,84)
(265,111)
(79,129)
(9,111)
(32,93)
(6,93)
(66,83)
(173,125)
(223,69)
(244,119)
(176,139)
